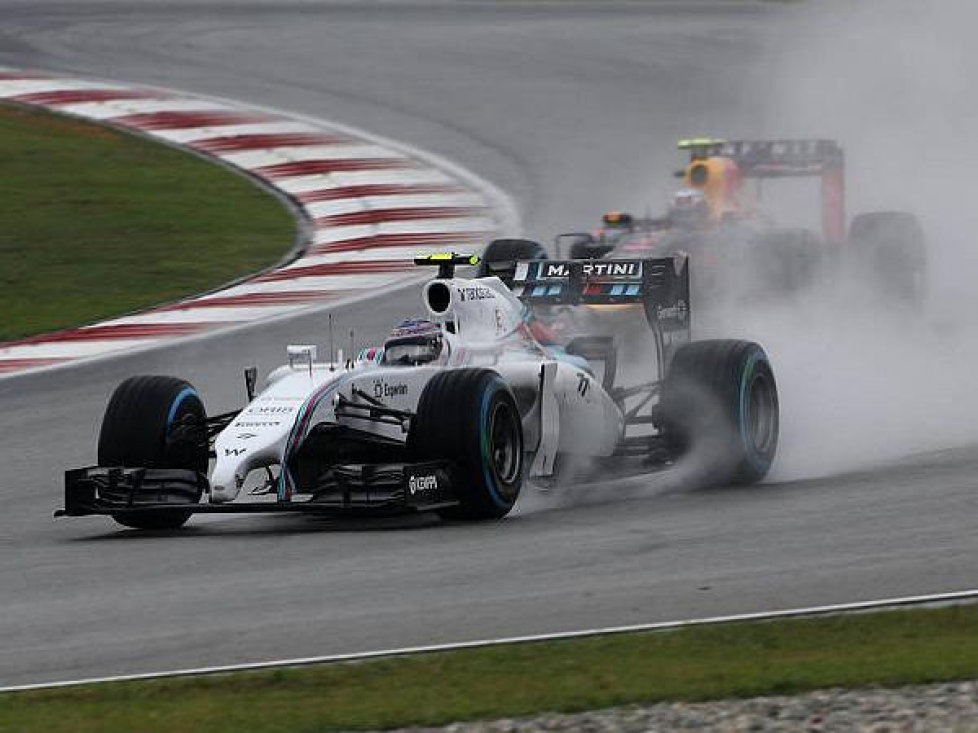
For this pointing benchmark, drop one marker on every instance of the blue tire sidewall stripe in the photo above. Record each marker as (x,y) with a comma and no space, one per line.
(185,393)
(757,460)
(484,439)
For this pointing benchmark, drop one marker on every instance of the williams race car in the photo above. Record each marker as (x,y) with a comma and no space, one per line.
(452,414)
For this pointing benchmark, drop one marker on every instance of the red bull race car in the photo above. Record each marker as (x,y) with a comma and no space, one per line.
(718,217)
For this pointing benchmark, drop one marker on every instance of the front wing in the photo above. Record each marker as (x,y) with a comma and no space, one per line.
(394,488)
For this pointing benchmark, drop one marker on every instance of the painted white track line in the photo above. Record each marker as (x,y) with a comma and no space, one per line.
(953,597)
(367,205)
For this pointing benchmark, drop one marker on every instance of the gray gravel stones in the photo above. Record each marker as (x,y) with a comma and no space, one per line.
(931,708)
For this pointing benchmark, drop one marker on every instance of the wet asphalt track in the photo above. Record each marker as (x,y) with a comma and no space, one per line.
(572,109)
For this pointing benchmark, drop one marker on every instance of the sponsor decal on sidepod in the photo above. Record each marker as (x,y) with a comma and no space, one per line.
(383,389)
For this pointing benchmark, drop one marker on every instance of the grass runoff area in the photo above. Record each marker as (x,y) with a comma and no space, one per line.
(96,222)
(700,663)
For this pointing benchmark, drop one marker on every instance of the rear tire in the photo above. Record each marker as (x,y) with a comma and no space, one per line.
(590,250)
(154,422)
(470,416)
(503,251)
(891,246)
(720,409)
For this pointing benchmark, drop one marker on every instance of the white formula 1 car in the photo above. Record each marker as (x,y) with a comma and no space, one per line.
(451,415)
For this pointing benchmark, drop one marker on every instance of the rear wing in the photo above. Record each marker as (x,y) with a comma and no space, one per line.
(660,285)
(772,158)
(760,159)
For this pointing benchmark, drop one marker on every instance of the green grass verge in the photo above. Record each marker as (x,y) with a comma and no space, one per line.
(95,222)
(736,660)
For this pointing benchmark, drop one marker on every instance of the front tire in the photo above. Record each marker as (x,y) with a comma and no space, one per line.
(470,416)
(720,410)
(154,422)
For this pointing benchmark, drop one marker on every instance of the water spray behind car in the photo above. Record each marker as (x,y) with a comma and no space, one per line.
(864,377)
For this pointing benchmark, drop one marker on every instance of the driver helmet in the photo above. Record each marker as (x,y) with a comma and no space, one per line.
(415,341)
(689,209)
(617,220)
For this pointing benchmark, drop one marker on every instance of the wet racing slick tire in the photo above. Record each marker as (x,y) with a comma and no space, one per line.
(719,410)
(470,416)
(155,422)
(891,246)
(589,249)
(506,251)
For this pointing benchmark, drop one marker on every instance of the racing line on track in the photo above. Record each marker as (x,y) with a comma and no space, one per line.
(370,206)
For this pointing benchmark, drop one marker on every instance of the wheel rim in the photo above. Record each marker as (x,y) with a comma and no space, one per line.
(505,446)
(762,414)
